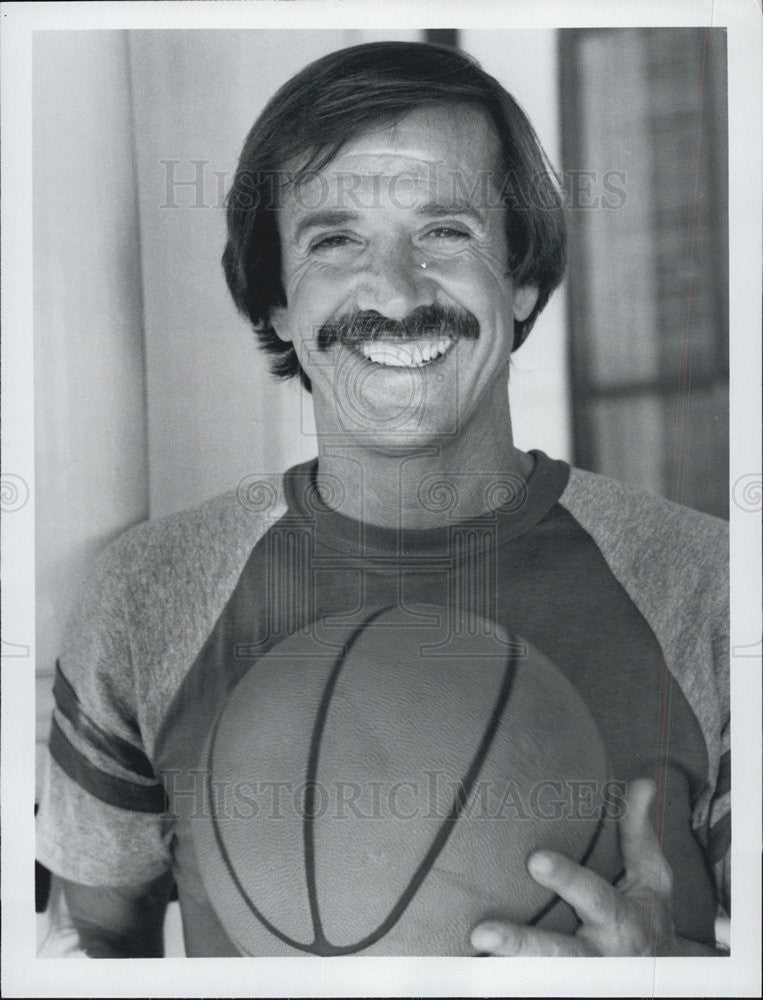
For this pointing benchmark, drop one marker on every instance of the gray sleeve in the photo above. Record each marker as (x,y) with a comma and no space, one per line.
(674,564)
(101,819)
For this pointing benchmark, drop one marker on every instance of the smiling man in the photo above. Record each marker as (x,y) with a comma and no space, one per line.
(394,230)
(400,307)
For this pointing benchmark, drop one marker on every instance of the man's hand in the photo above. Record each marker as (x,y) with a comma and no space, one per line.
(632,918)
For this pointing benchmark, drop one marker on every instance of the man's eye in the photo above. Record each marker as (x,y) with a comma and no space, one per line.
(448,233)
(330,242)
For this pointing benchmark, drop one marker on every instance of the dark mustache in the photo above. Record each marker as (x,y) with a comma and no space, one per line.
(425,321)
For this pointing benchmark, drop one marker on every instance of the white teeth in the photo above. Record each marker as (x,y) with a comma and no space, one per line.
(405,354)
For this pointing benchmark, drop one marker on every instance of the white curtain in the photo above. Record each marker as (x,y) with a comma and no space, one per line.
(91,475)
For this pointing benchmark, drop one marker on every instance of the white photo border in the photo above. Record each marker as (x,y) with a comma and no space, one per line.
(26,975)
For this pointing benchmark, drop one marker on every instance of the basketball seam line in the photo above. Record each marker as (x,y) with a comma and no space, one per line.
(320,943)
(459,801)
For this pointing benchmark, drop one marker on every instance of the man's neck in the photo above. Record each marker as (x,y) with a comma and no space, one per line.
(426,488)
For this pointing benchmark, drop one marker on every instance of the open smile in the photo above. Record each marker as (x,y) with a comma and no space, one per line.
(406,353)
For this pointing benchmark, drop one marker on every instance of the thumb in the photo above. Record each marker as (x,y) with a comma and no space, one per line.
(644,862)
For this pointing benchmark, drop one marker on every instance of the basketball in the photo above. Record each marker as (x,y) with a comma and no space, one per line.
(375,787)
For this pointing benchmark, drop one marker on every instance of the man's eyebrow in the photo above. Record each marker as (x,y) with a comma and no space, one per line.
(340,216)
(438,209)
(324,217)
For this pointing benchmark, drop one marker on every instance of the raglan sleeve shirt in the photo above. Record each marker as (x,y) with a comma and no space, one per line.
(153,597)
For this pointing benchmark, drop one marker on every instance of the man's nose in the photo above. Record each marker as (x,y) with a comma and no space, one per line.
(393,281)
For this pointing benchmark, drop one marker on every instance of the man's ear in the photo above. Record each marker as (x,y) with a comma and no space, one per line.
(525,298)
(279,320)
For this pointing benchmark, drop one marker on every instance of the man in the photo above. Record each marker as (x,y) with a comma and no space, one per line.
(394,232)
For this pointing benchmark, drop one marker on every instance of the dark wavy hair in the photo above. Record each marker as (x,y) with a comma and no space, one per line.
(344,94)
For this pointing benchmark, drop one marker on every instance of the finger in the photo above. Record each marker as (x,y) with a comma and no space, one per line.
(593,899)
(644,862)
(516,941)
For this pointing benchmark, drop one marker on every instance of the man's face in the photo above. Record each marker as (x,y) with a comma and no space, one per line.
(403,225)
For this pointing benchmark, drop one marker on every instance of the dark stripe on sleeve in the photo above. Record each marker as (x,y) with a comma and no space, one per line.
(719,839)
(105,787)
(114,747)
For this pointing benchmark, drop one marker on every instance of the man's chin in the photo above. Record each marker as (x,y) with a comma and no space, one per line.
(392,408)
(406,439)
